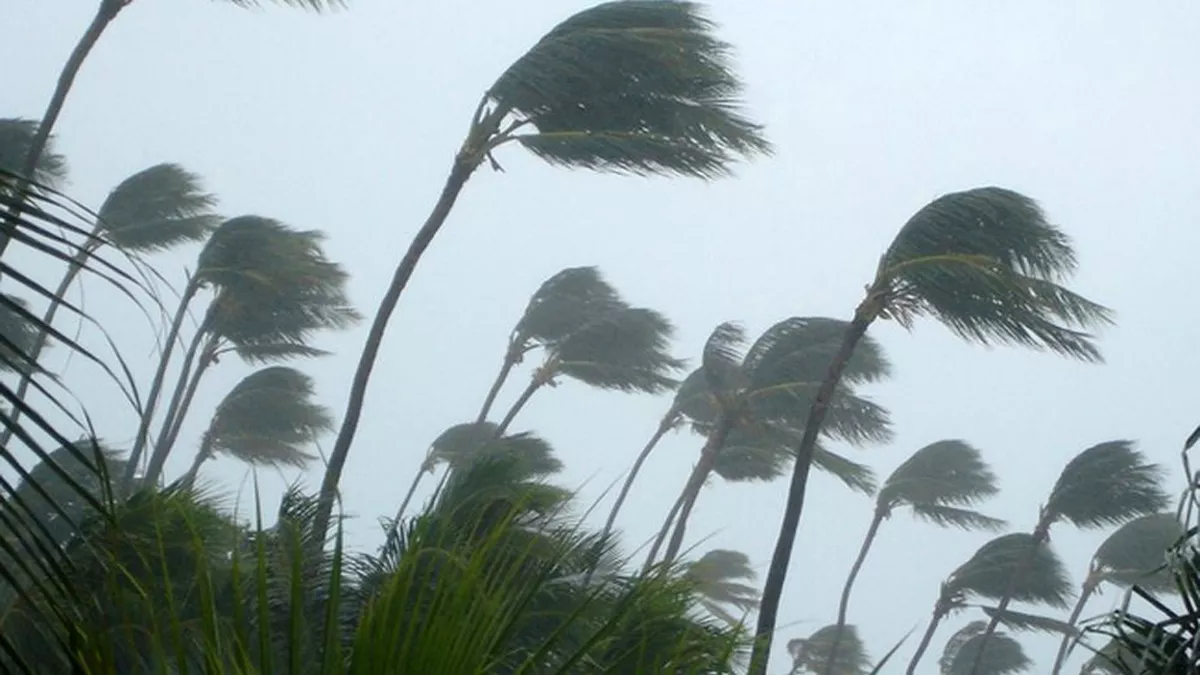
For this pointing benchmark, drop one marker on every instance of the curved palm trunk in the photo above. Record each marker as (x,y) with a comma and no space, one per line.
(661,537)
(412,489)
(663,427)
(202,455)
(156,384)
(925,640)
(844,603)
(107,11)
(501,378)
(1041,534)
(704,468)
(162,448)
(180,411)
(534,385)
(777,573)
(1085,593)
(464,164)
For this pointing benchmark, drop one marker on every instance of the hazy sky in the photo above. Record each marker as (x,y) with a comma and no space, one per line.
(348,122)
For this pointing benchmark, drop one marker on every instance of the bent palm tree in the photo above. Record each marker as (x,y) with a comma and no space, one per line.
(987,575)
(1001,656)
(939,484)
(818,652)
(757,400)
(1108,484)
(633,86)
(720,577)
(267,419)
(987,264)
(1136,553)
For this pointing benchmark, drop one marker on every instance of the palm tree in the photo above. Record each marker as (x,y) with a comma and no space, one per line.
(987,575)
(1134,553)
(267,419)
(631,86)
(1107,484)
(720,577)
(987,264)
(155,209)
(106,12)
(16,137)
(817,652)
(939,484)
(562,305)
(1001,656)
(759,398)
(625,349)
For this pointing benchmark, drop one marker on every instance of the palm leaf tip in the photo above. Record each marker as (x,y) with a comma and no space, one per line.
(1136,553)
(268,418)
(157,208)
(1107,484)
(16,138)
(988,265)
(633,86)
(943,476)
(626,350)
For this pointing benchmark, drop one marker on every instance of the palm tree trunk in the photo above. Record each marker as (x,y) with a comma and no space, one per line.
(180,411)
(661,537)
(534,384)
(156,384)
(412,489)
(925,640)
(777,573)
(1041,534)
(704,468)
(1085,594)
(202,456)
(844,603)
(663,427)
(464,164)
(509,362)
(158,458)
(107,11)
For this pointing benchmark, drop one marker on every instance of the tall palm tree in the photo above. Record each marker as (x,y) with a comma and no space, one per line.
(938,483)
(721,578)
(1134,553)
(761,396)
(562,305)
(818,652)
(155,209)
(1107,484)
(1001,656)
(261,257)
(987,264)
(987,575)
(638,87)
(106,12)
(269,418)
(625,349)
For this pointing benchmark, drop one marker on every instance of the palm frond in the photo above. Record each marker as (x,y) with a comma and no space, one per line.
(944,473)
(464,445)
(987,263)
(813,654)
(1030,622)
(158,208)
(718,577)
(632,86)
(18,335)
(694,399)
(625,349)
(721,359)
(953,516)
(800,349)
(1136,553)
(1107,484)
(311,5)
(16,137)
(261,354)
(1002,654)
(987,574)
(857,477)
(564,302)
(763,452)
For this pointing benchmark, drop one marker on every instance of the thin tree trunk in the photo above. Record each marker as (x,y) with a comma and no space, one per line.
(162,448)
(661,537)
(180,412)
(704,468)
(844,603)
(663,427)
(777,573)
(534,385)
(156,385)
(1085,594)
(501,378)
(412,489)
(925,640)
(107,11)
(464,164)
(202,456)
(1041,534)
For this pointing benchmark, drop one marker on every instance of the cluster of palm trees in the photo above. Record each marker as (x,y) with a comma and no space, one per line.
(108,564)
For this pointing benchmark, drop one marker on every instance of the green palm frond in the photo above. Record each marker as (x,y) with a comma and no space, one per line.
(311,5)
(1002,654)
(632,86)
(958,517)
(813,654)
(19,333)
(563,303)
(719,577)
(800,349)
(987,263)
(987,574)
(1030,622)
(268,418)
(763,452)
(16,137)
(1136,553)
(626,349)
(694,400)
(1107,484)
(857,477)
(464,445)
(158,208)
(944,473)
(262,354)
(720,361)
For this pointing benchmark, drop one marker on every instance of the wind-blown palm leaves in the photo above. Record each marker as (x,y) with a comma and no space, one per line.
(16,137)
(990,573)
(815,654)
(988,265)
(268,418)
(1135,553)
(938,483)
(721,578)
(1002,654)
(750,407)
(632,86)
(1106,484)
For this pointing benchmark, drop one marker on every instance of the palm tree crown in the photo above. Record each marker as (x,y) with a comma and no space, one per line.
(16,138)
(1106,484)
(938,481)
(157,208)
(721,578)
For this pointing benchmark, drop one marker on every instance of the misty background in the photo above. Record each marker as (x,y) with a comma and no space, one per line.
(348,122)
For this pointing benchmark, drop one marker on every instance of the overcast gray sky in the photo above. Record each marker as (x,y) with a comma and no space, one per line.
(347,123)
